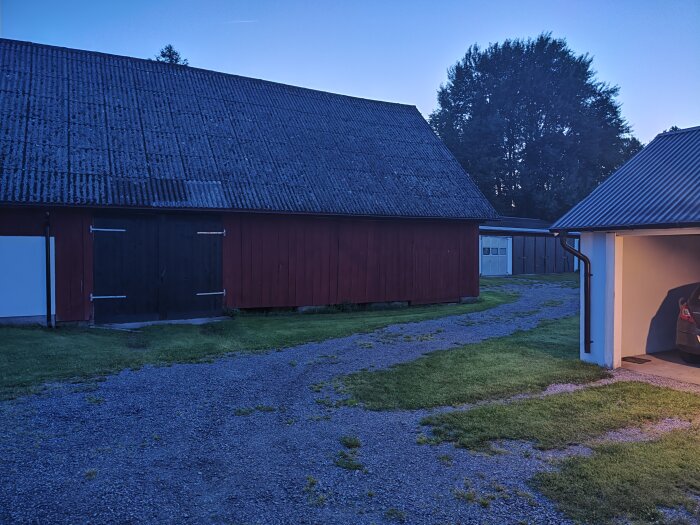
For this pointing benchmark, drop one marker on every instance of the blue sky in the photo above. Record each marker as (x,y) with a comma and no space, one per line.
(390,50)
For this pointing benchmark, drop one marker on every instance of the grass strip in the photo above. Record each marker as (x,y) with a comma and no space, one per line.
(564,419)
(524,362)
(628,482)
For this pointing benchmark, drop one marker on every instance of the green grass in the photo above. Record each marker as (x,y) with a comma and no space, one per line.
(563,419)
(569,280)
(628,481)
(30,356)
(495,368)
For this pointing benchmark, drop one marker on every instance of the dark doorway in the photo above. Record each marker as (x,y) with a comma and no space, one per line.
(155,267)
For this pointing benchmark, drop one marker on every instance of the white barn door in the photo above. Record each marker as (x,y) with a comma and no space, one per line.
(496,255)
(23,278)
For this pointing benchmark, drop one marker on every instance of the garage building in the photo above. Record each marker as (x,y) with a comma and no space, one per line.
(641,231)
(155,191)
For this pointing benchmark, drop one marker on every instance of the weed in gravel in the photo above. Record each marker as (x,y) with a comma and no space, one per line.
(350,442)
(94,400)
(326,402)
(422,439)
(347,459)
(395,514)
(366,345)
(319,417)
(265,408)
(552,303)
(314,496)
(446,459)
(468,496)
(485,501)
(90,386)
(524,313)
(523,494)
(497,487)
(243,411)
(317,387)
(90,474)
(292,363)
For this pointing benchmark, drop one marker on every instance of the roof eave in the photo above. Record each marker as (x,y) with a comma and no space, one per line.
(653,226)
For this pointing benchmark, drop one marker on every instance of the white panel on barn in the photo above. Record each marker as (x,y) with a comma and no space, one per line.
(496,255)
(23,277)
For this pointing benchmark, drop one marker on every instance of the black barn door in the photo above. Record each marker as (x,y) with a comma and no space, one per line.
(191,262)
(152,267)
(125,269)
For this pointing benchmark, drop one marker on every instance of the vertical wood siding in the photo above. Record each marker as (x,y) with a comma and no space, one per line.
(286,261)
(540,254)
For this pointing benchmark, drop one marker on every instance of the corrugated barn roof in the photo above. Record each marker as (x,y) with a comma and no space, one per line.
(85,128)
(658,187)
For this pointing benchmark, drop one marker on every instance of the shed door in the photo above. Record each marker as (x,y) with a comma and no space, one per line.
(154,267)
(494,255)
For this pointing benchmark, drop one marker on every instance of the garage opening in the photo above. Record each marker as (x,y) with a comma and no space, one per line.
(157,267)
(657,272)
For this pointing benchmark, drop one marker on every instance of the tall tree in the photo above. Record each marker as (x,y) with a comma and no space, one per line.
(531,123)
(170,55)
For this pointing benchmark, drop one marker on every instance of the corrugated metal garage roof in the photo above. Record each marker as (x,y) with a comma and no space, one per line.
(658,187)
(85,128)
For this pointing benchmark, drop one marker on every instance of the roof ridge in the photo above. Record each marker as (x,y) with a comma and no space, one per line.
(677,131)
(207,71)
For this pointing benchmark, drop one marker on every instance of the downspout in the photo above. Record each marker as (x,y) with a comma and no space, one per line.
(586,289)
(47,252)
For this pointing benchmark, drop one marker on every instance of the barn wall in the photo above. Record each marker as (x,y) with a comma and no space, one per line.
(287,261)
(73,253)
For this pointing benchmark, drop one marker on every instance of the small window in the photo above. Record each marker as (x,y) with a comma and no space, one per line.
(502,251)
(486,251)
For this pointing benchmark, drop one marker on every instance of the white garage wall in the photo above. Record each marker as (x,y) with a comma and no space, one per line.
(23,277)
(657,271)
(600,248)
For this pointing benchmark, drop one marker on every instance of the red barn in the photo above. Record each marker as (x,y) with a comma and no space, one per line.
(159,191)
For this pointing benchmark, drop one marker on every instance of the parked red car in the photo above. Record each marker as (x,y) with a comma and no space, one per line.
(688,327)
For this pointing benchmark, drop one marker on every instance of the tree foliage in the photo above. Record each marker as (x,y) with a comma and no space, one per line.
(531,123)
(170,55)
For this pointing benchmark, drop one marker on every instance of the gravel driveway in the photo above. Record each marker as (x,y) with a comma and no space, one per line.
(181,443)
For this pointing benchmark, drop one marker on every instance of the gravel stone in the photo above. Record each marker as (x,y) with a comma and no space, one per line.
(179,444)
